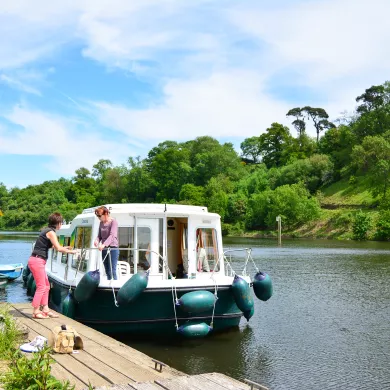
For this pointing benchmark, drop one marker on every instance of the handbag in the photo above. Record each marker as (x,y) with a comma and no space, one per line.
(65,339)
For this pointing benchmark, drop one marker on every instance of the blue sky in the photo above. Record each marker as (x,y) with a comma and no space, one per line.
(98,79)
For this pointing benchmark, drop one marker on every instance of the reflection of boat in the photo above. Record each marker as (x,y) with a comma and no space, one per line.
(187,286)
(10,271)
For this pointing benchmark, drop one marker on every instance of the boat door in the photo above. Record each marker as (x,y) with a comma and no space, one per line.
(149,244)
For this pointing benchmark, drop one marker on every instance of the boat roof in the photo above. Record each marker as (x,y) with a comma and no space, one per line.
(151,208)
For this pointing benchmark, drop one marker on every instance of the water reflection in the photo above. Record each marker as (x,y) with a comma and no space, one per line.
(14,249)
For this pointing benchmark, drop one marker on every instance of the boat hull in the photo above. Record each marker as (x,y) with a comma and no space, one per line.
(11,271)
(152,313)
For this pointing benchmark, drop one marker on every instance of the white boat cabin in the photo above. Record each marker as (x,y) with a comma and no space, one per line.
(187,239)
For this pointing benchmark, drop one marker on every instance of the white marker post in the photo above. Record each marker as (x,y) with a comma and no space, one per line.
(279,221)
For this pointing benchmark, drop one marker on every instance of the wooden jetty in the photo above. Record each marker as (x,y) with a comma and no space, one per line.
(106,363)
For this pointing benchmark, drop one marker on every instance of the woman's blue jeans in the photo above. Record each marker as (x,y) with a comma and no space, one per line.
(114,254)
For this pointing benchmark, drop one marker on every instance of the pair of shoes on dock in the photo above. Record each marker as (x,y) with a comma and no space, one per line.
(35,345)
(44,315)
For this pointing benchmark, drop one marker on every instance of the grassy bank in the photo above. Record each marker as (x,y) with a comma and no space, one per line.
(341,204)
(332,224)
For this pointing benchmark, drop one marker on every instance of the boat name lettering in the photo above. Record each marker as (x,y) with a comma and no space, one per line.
(206,221)
(84,221)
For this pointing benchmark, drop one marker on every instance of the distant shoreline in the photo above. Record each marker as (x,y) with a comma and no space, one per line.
(17,233)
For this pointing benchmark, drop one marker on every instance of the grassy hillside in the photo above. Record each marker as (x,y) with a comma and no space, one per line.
(339,202)
(348,193)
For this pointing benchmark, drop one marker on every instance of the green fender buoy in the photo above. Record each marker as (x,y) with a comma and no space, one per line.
(33,288)
(133,288)
(249,314)
(197,301)
(242,294)
(30,280)
(68,306)
(87,286)
(26,273)
(194,329)
(262,286)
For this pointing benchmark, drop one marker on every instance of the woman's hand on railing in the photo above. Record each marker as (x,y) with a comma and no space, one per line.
(70,250)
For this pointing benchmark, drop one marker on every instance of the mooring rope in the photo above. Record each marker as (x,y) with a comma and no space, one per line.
(77,270)
(215,302)
(112,275)
(250,256)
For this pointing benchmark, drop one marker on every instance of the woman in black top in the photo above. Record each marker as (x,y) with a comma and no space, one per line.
(37,262)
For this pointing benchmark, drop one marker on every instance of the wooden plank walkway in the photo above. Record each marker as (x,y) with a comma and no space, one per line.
(212,381)
(106,363)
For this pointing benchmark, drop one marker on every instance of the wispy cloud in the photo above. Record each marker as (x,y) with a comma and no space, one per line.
(216,65)
(223,105)
(70,143)
(17,84)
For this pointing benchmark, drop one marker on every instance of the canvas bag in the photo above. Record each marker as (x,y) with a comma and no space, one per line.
(64,339)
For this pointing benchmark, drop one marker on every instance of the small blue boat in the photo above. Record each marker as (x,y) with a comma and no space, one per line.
(11,271)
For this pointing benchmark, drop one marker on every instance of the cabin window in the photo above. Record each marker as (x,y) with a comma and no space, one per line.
(82,241)
(206,250)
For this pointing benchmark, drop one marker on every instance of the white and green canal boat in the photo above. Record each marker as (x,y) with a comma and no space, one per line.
(173,274)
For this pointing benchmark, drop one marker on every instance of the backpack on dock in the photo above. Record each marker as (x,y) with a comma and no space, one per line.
(64,339)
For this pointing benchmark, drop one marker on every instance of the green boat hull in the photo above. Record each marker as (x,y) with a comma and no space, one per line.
(151,313)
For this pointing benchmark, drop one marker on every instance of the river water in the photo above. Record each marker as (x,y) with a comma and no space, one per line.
(327,325)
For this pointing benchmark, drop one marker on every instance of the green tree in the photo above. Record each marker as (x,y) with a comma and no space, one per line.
(3,195)
(216,193)
(237,207)
(208,158)
(140,184)
(192,194)
(372,158)
(251,149)
(338,143)
(254,182)
(100,168)
(275,145)
(301,147)
(292,202)
(360,225)
(319,117)
(299,122)
(314,172)
(373,112)
(169,167)
(84,188)
(114,185)
(383,226)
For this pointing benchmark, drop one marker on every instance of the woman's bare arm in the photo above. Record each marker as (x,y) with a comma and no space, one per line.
(53,238)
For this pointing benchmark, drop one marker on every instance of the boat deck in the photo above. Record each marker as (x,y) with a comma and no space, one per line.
(106,363)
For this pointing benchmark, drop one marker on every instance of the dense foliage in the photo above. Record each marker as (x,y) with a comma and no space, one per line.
(276,174)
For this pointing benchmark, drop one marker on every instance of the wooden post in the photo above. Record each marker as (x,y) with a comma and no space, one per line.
(279,221)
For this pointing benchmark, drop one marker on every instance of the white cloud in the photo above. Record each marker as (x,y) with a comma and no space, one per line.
(215,63)
(67,141)
(17,84)
(224,105)
(324,40)
(33,30)
(333,47)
